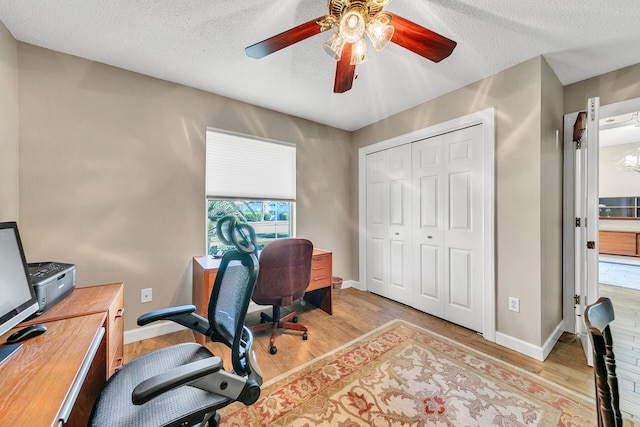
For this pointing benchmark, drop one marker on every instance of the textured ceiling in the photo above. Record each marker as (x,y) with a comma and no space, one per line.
(200,43)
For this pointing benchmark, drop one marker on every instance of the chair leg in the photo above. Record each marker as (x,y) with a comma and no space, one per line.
(212,419)
(275,322)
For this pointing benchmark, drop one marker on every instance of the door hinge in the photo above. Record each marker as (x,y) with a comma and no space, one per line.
(591,244)
(576,299)
(578,144)
(577,222)
(592,108)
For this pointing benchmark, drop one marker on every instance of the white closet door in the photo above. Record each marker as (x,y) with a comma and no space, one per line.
(428,229)
(447,236)
(463,213)
(389,223)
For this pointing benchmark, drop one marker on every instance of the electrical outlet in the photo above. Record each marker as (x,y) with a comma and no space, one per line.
(146,295)
(514,304)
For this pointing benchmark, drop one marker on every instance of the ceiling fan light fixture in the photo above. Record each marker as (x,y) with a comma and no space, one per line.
(334,46)
(359,54)
(352,25)
(379,32)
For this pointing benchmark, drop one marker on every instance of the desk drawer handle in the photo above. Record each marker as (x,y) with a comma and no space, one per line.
(119,313)
(317,259)
(318,278)
(120,362)
(317,268)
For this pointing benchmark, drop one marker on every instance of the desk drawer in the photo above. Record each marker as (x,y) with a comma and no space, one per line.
(320,272)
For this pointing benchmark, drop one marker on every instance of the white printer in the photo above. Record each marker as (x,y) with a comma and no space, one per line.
(52,281)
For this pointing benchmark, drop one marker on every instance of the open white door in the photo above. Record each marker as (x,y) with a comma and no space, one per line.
(586,205)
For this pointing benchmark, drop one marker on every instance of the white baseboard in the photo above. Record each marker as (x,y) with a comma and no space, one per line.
(537,352)
(151,331)
(352,284)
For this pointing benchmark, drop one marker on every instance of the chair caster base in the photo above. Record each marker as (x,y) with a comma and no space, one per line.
(305,336)
(273,349)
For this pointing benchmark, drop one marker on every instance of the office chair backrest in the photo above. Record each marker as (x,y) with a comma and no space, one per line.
(597,317)
(285,270)
(231,294)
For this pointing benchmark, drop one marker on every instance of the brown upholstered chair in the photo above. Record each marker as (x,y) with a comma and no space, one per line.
(285,269)
(597,317)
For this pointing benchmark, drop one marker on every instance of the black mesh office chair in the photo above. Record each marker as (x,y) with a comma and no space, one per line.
(597,317)
(185,384)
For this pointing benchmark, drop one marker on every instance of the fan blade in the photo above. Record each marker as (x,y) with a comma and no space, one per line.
(344,71)
(420,40)
(282,40)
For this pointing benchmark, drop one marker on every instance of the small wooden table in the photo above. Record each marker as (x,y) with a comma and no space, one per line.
(318,293)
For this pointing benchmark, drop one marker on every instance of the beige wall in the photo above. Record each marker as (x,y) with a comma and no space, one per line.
(618,183)
(551,163)
(612,87)
(112,174)
(615,182)
(524,136)
(8,126)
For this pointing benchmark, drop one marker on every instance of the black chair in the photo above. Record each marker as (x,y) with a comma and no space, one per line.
(185,384)
(597,317)
(285,270)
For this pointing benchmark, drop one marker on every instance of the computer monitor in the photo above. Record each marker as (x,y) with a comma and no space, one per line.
(17,296)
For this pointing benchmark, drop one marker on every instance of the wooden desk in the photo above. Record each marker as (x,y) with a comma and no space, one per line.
(318,293)
(106,299)
(54,379)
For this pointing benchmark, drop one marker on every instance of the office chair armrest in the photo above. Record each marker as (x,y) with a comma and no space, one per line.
(185,374)
(183,315)
(170,313)
(250,363)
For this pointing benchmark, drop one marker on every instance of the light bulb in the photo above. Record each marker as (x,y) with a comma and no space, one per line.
(352,25)
(359,54)
(333,47)
(380,33)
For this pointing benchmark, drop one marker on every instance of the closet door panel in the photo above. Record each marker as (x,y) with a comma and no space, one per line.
(430,279)
(428,225)
(463,241)
(399,225)
(388,223)
(460,282)
(377,219)
(460,201)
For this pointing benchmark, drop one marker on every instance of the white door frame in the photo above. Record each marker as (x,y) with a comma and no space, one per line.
(568,275)
(487,119)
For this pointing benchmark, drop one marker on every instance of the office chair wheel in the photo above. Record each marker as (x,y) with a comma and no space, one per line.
(295,319)
(273,349)
(305,336)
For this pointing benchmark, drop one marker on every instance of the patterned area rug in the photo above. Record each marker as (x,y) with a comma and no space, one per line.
(403,375)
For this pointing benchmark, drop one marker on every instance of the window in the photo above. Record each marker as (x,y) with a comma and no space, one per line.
(619,207)
(253,179)
(270,220)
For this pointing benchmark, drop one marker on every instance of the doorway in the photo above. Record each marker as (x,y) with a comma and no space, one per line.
(617,243)
(619,249)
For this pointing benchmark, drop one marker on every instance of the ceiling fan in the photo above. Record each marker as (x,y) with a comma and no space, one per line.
(353,19)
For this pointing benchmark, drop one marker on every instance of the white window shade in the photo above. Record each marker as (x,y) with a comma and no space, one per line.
(246,167)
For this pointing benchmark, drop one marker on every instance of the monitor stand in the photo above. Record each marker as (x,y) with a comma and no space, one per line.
(7,350)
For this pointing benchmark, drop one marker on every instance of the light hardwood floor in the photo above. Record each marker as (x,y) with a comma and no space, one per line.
(357,312)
